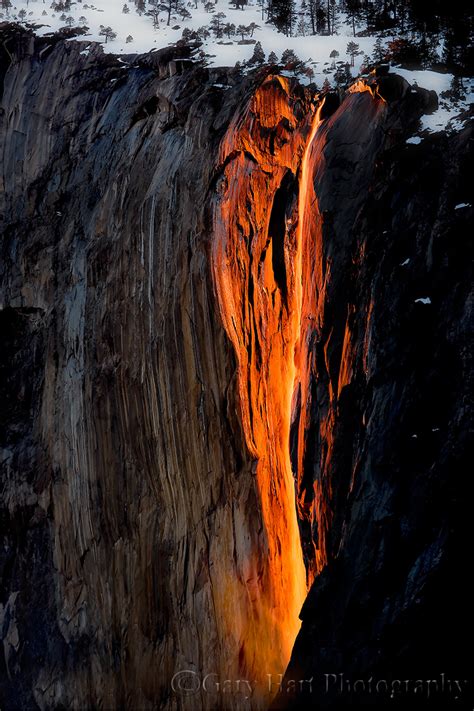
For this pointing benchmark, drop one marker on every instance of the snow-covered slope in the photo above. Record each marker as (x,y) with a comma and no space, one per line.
(223,52)
(447,115)
(135,31)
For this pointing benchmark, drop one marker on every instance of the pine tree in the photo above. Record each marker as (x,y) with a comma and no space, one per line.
(334,18)
(291,61)
(203,33)
(321,19)
(252,27)
(243,31)
(6,5)
(353,10)
(217,25)
(379,52)
(303,11)
(272,58)
(258,56)
(368,13)
(316,15)
(188,35)
(154,13)
(352,50)
(229,29)
(365,66)
(334,55)
(183,12)
(288,57)
(301,27)
(456,90)
(108,33)
(340,77)
(282,14)
(326,86)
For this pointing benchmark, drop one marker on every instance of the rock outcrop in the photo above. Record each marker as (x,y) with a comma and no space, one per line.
(218,367)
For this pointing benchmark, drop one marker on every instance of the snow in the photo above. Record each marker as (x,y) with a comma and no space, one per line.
(403,264)
(462,204)
(436,81)
(415,141)
(446,117)
(314,49)
(423,300)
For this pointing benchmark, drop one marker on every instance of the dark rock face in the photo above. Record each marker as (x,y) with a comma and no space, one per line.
(130,516)
(122,456)
(393,602)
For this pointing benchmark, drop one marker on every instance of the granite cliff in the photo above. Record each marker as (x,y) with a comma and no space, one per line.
(222,380)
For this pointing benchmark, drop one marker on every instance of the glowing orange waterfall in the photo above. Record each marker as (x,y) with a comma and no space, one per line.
(309,310)
(257,267)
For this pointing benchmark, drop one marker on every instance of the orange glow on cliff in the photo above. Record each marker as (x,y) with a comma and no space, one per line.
(360,86)
(271,279)
(309,316)
(257,267)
